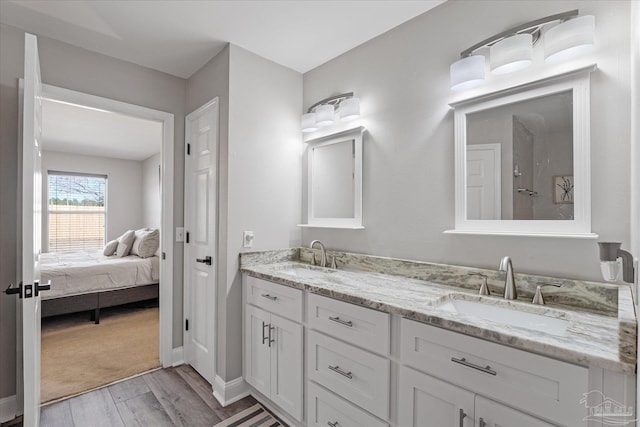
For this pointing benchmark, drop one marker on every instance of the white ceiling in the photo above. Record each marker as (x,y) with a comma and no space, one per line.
(76,129)
(179,36)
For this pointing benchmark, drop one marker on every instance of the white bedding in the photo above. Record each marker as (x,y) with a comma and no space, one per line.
(83,272)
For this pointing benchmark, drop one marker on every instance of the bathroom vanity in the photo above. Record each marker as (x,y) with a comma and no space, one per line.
(383,342)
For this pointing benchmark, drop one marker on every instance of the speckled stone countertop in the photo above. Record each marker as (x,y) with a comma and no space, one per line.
(606,340)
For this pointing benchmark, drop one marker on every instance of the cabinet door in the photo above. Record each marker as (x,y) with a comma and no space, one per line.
(257,353)
(427,401)
(493,414)
(286,365)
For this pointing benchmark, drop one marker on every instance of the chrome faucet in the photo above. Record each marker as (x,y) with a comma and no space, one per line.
(323,261)
(509,281)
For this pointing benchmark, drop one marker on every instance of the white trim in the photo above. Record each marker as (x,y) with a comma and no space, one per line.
(177,356)
(167,225)
(522,234)
(8,408)
(580,226)
(231,391)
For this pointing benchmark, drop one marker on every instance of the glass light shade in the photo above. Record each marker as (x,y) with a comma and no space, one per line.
(511,54)
(324,115)
(308,122)
(570,38)
(467,72)
(349,109)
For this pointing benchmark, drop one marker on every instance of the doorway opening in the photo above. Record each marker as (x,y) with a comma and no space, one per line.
(107,171)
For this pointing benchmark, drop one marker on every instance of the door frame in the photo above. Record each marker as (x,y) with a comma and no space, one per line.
(167,197)
(186,294)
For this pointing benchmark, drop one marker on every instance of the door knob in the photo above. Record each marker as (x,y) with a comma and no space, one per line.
(17,290)
(205,260)
(38,287)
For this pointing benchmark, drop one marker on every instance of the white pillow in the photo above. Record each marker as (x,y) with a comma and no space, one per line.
(124,243)
(110,248)
(146,242)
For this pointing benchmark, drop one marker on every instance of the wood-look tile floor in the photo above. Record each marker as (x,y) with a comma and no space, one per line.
(165,397)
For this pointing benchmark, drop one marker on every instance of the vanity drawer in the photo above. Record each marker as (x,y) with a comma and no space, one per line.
(280,299)
(357,375)
(325,409)
(520,379)
(354,324)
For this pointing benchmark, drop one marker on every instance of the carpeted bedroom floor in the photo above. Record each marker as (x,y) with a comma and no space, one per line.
(78,355)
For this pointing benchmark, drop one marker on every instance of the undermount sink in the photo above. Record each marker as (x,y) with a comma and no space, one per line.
(507,315)
(304,272)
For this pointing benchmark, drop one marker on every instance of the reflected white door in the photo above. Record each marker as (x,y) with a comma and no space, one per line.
(483,181)
(31,229)
(200,238)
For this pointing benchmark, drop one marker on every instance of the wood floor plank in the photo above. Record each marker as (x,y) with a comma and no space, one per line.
(199,385)
(127,389)
(143,411)
(181,403)
(56,415)
(95,409)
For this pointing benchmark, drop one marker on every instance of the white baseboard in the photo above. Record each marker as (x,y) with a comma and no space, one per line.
(8,408)
(231,391)
(177,356)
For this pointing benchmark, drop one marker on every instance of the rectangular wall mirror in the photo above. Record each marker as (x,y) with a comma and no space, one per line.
(523,160)
(334,180)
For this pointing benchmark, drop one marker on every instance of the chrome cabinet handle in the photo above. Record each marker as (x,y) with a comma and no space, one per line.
(348,323)
(271,328)
(486,369)
(333,424)
(462,417)
(267,296)
(337,369)
(264,338)
(482,423)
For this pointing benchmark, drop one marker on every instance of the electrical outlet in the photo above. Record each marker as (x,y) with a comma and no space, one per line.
(247,239)
(179,234)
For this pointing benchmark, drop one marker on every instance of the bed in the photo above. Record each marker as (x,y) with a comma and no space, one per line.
(88,281)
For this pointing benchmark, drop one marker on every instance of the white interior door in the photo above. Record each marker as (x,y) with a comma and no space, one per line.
(200,238)
(31,229)
(483,181)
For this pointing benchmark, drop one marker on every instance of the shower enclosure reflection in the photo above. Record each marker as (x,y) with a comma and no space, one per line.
(519,160)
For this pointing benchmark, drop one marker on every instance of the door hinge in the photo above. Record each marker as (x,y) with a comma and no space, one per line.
(186,324)
(187,237)
(164,255)
(188,149)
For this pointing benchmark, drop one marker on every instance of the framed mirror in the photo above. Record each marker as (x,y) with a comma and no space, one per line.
(522,160)
(334,180)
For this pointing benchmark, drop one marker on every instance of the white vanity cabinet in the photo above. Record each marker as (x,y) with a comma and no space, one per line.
(273,346)
(525,381)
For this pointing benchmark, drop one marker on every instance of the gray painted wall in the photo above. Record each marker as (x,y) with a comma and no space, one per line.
(151,187)
(402,78)
(259,173)
(77,69)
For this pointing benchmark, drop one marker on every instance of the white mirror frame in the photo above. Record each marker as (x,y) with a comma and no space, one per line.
(355,222)
(578,82)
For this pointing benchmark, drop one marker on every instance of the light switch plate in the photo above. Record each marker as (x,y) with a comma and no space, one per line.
(247,239)
(179,234)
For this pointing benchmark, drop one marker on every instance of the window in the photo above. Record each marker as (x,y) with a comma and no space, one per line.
(76,211)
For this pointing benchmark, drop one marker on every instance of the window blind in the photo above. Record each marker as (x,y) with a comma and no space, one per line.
(77,211)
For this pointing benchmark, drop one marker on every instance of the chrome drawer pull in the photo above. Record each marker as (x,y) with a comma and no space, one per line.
(462,417)
(482,423)
(264,338)
(348,323)
(486,369)
(341,372)
(334,424)
(267,296)
(271,328)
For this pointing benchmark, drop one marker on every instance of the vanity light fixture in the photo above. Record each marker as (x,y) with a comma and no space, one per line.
(512,50)
(323,113)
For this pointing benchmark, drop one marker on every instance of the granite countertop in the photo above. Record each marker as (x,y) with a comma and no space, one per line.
(606,341)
